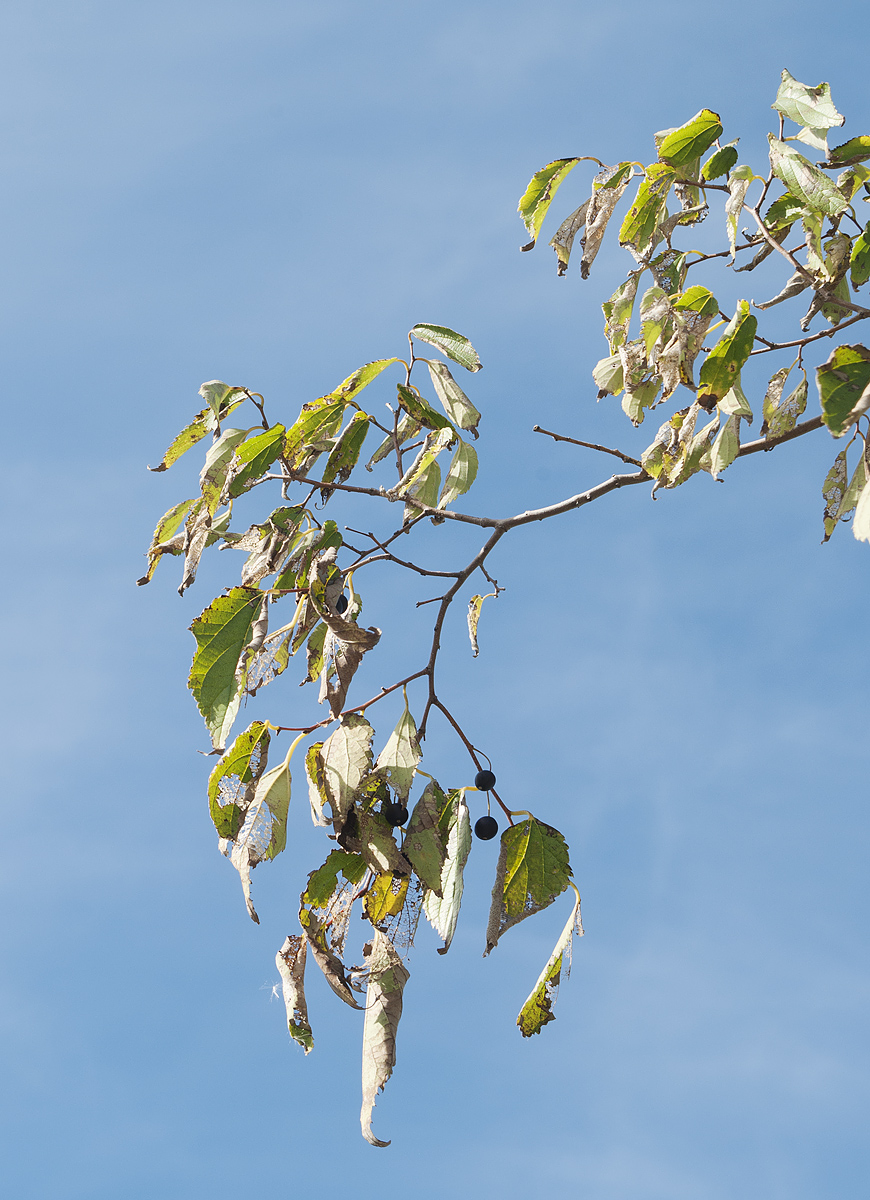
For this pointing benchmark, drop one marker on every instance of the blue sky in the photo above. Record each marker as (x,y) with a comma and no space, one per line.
(272,194)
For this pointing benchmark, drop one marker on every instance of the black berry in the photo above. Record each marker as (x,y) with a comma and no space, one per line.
(341,603)
(486,827)
(485,780)
(396,814)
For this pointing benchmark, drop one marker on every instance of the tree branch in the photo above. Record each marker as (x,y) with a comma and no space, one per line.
(560,437)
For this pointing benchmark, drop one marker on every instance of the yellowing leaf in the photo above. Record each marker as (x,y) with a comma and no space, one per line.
(538,1008)
(542,188)
(683,145)
(532,871)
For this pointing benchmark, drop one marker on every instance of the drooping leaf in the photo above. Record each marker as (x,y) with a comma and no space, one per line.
(607,374)
(232,782)
(833,491)
(720,162)
(860,260)
(856,150)
(806,183)
(420,468)
(843,381)
(738,184)
(407,429)
(735,404)
(639,229)
(421,410)
(532,871)
(425,841)
(254,457)
(203,423)
(688,142)
(607,189)
(349,388)
(386,897)
(398,760)
(346,451)
(325,956)
(216,468)
(454,345)
(538,1008)
(311,434)
(537,197)
(617,312)
(222,632)
(725,361)
(160,542)
(368,833)
(726,446)
(290,961)
(461,475)
(424,487)
(387,978)
(456,404)
(562,240)
(219,398)
(317,794)
(442,907)
(346,758)
(474,606)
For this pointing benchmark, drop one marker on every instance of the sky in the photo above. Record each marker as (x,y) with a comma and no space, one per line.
(272,194)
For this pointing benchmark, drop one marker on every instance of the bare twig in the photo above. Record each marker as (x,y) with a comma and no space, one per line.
(560,437)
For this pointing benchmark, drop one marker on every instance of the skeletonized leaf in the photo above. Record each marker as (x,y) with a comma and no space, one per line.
(323,882)
(386,897)
(538,1008)
(326,958)
(425,844)
(725,361)
(232,782)
(454,345)
(532,871)
(806,182)
(222,632)
(537,197)
(474,606)
(617,313)
(461,475)
(562,240)
(843,382)
(290,961)
(833,491)
(454,401)
(781,415)
(387,978)
(442,909)
(399,758)
(607,189)
(346,758)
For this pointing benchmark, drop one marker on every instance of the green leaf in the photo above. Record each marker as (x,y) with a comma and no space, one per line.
(314,652)
(833,491)
(407,429)
(690,141)
(454,401)
(454,345)
(160,542)
(220,400)
(398,760)
(475,604)
(317,794)
(842,382)
(726,446)
(347,758)
(323,883)
(232,782)
(806,183)
(856,150)
(538,1008)
(316,424)
(648,210)
(655,312)
(532,871)
(442,907)
(462,474)
(641,397)
(204,422)
(725,361)
(387,978)
(420,410)
(254,457)
(216,468)
(809,106)
(860,260)
(542,188)
(425,844)
(345,454)
(217,676)
(354,384)
(780,415)
(697,299)
(290,961)
(720,162)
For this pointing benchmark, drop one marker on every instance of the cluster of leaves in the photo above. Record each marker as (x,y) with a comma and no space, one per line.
(394,874)
(396,859)
(675,317)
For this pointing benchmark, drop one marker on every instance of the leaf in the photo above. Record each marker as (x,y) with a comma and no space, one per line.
(254,457)
(421,410)
(617,313)
(648,210)
(856,150)
(326,958)
(232,782)
(641,397)
(386,897)
(407,429)
(607,189)
(398,760)
(346,451)
(474,606)
(347,758)
(425,841)
(315,653)
(726,446)
(323,883)
(811,106)
(462,474)
(454,345)
(735,404)
(861,522)
(214,473)
(442,907)
(690,141)
(204,422)
(222,632)
(720,162)
(532,871)
(219,398)
(387,978)
(538,1008)
(655,312)
(833,492)
(607,374)
(860,260)
(454,401)
(538,195)
(725,361)
(317,794)
(290,961)
(843,381)
(362,377)
(738,186)
(316,424)
(160,543)
(805,182)
(562,240)
(369,834)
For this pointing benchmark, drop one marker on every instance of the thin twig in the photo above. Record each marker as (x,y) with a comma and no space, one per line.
(560,437)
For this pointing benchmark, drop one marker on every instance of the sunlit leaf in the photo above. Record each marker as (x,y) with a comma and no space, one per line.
(542,188)
(860,260)
(398,760)
(648,210)
(354,384)
(347,758)
(460,476)
(689,141)
(387,978)
(806,183)
(532,871)
(607,189)
(386,897)
(843,381)
(454,345)
(538,1008)
(222,631)
(833,491)
(161,543)
(456,404)
(726,446)
(425,841)
(346,451)
(254,457)
(810,106)
(857,149)
(720,162)
(323,882)
(232,782)
(724,362)
(442,910)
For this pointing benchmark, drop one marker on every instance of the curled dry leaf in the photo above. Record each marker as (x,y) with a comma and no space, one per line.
(387,976)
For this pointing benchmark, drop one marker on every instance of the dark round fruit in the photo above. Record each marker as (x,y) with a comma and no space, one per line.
(486,827)
(485,780)
(341,603)
(396,814)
